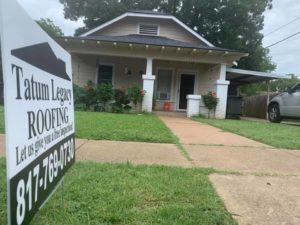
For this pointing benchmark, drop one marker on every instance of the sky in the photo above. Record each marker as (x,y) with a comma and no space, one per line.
(286,54)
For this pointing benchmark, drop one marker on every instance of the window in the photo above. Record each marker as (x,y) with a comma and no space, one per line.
(296,88)
(148,29)
(164,81)
(105,74)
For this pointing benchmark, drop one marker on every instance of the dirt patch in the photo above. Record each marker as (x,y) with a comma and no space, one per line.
(254,200)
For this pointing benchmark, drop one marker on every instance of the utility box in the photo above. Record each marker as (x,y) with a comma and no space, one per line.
(234,107)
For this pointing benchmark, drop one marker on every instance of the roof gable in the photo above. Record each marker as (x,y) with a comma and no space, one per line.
(152,16)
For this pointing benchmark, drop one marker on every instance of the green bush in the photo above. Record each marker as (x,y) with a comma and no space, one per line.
(136,95)
(90,95)
(210,101)
(104,93)
(79,97)
(121,103)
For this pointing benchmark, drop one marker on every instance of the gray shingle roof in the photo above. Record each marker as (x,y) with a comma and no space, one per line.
(150,12)
(149,40)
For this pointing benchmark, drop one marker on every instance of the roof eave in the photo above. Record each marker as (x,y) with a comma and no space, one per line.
(225,51)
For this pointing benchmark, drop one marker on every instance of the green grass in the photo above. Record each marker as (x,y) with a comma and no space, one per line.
(122,127)
(105,194)
(119,127)
(2,127)
(276,135)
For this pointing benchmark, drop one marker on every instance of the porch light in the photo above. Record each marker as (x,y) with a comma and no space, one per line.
(127,71)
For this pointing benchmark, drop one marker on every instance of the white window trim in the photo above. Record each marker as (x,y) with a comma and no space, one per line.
(113,72)
(172,83)
(149,24)
(178,83)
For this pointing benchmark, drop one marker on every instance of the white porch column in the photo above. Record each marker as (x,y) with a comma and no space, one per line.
(148,86)
(222,91)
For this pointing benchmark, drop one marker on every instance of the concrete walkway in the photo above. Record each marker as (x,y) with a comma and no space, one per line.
(122,152)
(252,200)
(134,152)
(211,147)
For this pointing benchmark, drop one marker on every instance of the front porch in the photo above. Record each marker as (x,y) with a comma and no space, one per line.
(167,71)
(162,80)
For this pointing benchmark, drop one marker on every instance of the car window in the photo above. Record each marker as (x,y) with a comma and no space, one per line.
(297,88)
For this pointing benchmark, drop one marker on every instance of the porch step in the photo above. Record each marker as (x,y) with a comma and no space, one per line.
(170,113)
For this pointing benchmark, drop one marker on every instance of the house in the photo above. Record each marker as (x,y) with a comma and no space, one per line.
(160,54)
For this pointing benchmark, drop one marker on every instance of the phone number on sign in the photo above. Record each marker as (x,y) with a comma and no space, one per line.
(42,178)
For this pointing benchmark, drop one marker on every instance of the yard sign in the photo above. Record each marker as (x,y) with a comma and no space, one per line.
(39,112)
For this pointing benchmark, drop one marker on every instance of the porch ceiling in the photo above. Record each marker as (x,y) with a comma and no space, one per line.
(241,77)
(148,46)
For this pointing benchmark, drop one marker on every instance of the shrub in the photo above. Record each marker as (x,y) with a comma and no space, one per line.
(210,101)
(90,95)
(121,103)
(104,93)
(79,97)
(136,95)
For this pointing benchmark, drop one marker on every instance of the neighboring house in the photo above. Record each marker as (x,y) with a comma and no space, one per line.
(160,54)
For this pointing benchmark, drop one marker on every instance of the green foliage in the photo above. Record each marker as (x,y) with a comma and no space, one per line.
(283,84)
(50,28)
(234,24)
(2,120)
(121,103)
(79,97)
(276,135)
(210,101)
(104,93)
(90,97)
(278,85)
(136,95)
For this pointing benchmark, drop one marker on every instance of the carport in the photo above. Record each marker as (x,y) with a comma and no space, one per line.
(239,77)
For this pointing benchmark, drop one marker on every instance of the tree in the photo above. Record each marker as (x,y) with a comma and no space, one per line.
(278,85)
(282,84)
(234,24)
(50,28)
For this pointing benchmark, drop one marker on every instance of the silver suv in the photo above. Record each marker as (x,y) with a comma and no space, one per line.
(285,105)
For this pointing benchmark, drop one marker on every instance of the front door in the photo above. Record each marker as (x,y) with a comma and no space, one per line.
(187,85)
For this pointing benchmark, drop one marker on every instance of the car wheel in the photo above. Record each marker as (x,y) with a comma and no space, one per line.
(274,113)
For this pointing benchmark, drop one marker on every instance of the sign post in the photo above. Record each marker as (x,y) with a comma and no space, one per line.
(39,112)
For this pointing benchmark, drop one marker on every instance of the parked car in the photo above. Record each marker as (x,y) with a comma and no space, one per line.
(285,105)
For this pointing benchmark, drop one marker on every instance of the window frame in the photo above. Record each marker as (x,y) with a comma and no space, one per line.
(113,72)
(171,85)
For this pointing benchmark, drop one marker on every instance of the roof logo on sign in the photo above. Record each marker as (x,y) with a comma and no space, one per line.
(42,57)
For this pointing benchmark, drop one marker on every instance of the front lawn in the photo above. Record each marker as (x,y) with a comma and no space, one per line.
(105,194)
(122,127)
(276,135)
(119,127)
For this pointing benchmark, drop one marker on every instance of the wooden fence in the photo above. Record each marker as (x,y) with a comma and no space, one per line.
(256,106)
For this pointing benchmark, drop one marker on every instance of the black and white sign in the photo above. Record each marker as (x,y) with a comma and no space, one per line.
(39,112)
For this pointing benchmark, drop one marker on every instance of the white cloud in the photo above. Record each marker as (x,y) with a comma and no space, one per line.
(53,10)
(286,54)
